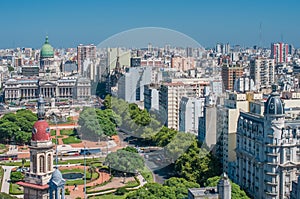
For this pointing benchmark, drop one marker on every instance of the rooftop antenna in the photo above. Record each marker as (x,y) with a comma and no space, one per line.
(281,37)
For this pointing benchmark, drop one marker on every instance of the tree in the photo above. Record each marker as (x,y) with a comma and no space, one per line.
(16,176)
(236,191)
(23,162)
(124,161)
(6,196)
(197,164)
(8,130)
(89,125)
(10,69)
(164,136)
(176,188)
(107,102)
(92,169)
(130,149)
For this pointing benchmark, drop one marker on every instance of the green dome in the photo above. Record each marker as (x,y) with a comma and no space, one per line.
(47,50)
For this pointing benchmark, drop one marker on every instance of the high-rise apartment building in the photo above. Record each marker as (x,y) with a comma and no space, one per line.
(190,109)
(170,95)
(227,117)
(229,74)
(85,52)
(131,84)
(262,71)
(279,52)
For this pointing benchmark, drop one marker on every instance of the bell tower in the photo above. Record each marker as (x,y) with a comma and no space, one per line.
(41,158)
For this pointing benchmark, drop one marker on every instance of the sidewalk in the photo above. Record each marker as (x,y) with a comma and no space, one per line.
(6,177)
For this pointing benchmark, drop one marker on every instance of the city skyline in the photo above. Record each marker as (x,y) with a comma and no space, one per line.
(68,25)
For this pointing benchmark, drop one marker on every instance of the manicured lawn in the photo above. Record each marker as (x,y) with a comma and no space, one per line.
(81,161)
(2,146)
(71,140)
(133,183)
(15,189)
(53,132)
(53,140)
(147,174)
(66,132)
(18,164)
(110,196)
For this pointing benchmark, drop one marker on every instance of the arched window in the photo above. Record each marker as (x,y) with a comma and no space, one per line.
(49,159)
(42,164)
(34,163)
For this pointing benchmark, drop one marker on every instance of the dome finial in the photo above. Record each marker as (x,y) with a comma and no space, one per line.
(46,41)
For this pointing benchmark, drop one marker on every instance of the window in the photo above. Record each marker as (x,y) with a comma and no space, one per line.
(49,160)
(34,163)
(42,164)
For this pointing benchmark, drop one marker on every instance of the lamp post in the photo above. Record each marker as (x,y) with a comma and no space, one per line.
(56,141)
(84,172)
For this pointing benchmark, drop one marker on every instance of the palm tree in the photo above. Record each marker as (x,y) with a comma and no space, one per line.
(92,169)
(23,162)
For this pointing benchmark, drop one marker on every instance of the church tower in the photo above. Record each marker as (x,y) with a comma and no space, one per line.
(41,158)
(224,187)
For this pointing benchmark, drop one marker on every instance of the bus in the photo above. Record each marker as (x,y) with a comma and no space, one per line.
(70,153)
(87,151)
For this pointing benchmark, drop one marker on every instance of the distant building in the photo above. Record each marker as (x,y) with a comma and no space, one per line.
(207,130)
(151,97)
(279,52)
(182,63)
(170,94)
(229,74)
(85,52)
(244,84)
(30,71)
(135,62)
(262,71)
(69,67)
(30,88)
(221,191)
(190,109)
(47,57)
(131,84)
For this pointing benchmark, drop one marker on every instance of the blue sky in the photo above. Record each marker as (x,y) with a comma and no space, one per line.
(69,23)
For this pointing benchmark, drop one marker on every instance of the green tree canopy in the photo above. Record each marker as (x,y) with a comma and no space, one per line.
(125,161)
(197,164)
(176,188)
(236,191)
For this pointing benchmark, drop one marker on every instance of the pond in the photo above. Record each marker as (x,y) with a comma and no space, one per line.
(72,176)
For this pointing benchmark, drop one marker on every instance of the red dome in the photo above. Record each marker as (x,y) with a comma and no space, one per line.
(41,131)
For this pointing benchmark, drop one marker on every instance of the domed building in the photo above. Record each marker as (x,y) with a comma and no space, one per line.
(47,57)
(36,183)
(268,150)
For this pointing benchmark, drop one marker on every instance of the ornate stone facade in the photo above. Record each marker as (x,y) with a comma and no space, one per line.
(268,151)
(30,88)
